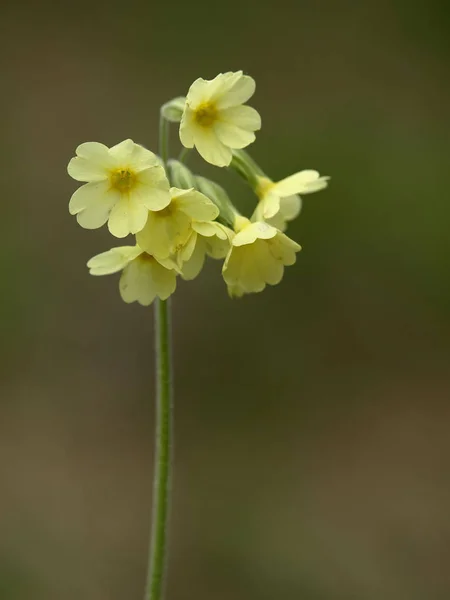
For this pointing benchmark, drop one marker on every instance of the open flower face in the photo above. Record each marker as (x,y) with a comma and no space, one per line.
(123,183)
(258,255)
(207,238)
(280,201)
(168,230)
(143,278)
(214,118)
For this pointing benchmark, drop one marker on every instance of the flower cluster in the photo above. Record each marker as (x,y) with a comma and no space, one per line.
(179,218)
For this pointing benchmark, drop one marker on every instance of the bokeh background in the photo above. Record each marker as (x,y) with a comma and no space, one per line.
(312,450)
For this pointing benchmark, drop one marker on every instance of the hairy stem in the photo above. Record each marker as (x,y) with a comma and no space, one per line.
(157,564)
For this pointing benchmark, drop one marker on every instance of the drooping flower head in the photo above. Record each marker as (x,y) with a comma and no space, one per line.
(258,255)
(123,183)
(206,239)
(279,202)
(214,118)
(168,230)
(144,277)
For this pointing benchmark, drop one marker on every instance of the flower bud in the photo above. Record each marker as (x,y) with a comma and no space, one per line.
(180,176)
(218,195)
(173,110)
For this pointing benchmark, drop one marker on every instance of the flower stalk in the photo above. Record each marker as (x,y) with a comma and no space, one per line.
(157,565)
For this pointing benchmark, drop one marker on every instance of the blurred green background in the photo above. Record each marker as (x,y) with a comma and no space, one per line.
(312,450)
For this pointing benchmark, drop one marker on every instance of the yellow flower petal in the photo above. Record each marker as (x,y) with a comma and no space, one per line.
(216,247)
(91,163)
(152,188)
(165,232)
(92,203)
(241,268)
(217,238)
(235,291)
(144,279)
(194,204)
(93,151)
(280,202)
(91,193)
(289,209)
(186,128)
(200,90)
(188,249)
(241,91)
(126,217)
(211,148)
(122,150)
(290,206)
(113,260)
(250,266)
(304,182)
(164,280)
(136,284)
(258,214)
(141,158)
(270,205)
(244,117)
(192,267)
(252,232)
(85,170)
(210,228)
(233,136)
(222,84)
(282,248)
(168,263)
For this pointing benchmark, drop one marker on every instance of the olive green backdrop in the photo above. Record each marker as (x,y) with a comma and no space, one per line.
(312,450)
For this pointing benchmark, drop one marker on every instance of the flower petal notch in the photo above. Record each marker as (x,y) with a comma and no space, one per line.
(215,118)
(258,255)
(123,184)
(143,278)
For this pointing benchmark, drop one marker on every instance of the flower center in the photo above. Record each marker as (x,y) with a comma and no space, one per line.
(123,180)
(206,114)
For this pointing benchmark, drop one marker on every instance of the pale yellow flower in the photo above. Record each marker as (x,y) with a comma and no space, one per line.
(207,238)
(280,201)
(124,183)
(143,278)
(214,118)
(258,255)
(168,230)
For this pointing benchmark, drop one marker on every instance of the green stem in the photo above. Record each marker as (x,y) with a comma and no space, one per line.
(246,167)
(163,140)
(157,565)
(248,160)
(184,154)
(163,457)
